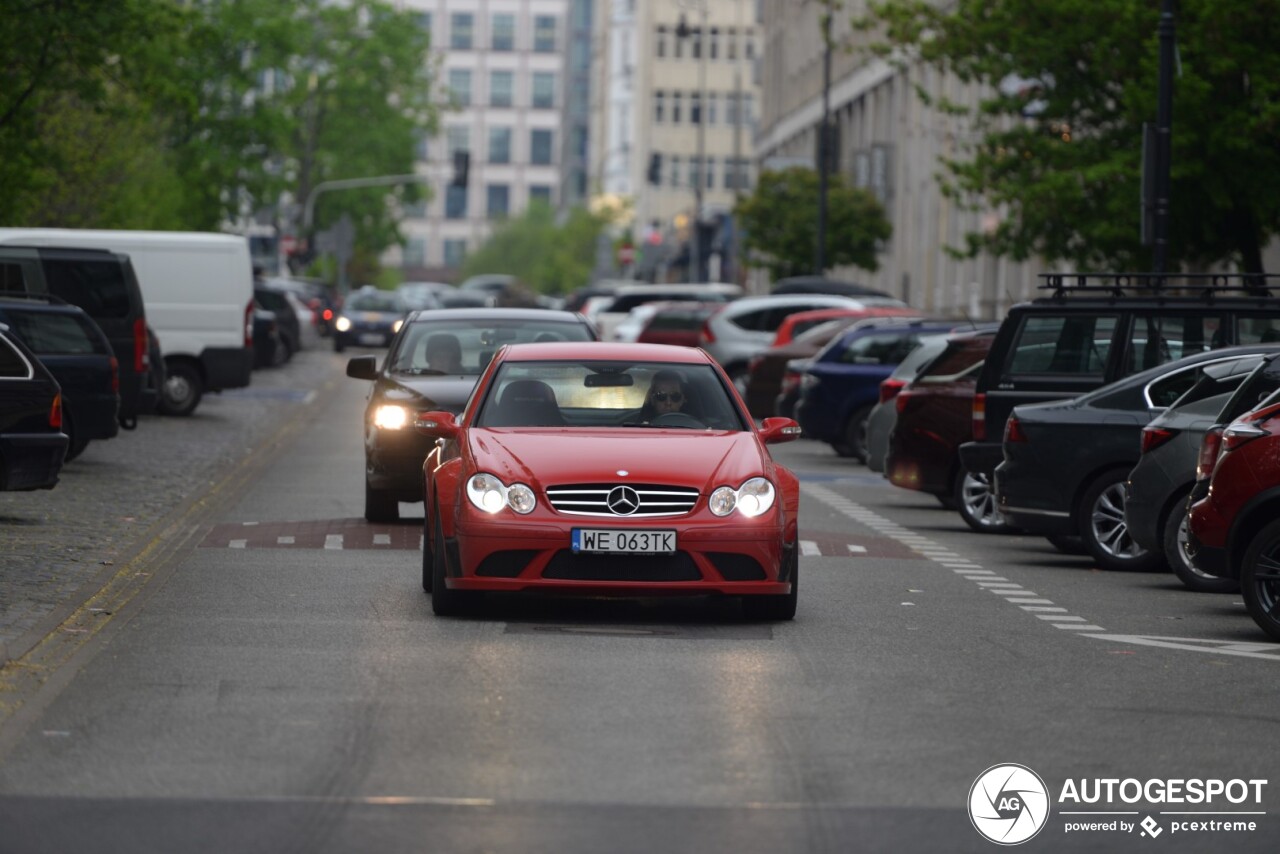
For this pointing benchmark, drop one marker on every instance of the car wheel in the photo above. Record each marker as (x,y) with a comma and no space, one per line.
(379,506)
(855,433)
(338,346)
(444,602)
(75,445)
(1100,520)
(1068,544)
(1175,535)
(1260,579)
(182,390)
(977,504)
(777,608)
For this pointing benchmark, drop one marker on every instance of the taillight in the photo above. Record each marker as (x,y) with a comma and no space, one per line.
(55,412)
(900,399)
(705,335)
(1245,428)
(1154,437)
(328,314)
(248,324)
(115,375)
(140,346)
(889,389)
(980,417)
(1209,446)
(1013,431)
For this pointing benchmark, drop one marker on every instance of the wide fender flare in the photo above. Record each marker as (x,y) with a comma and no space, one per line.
(789,492)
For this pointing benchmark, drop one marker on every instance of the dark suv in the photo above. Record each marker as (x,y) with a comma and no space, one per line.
(1091,330)
(32,444)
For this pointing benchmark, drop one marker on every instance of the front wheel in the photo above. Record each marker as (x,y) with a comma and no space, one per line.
(1176,531)
(444,602)
(182,389)
(1260,579)
(977,504)
(1100,520)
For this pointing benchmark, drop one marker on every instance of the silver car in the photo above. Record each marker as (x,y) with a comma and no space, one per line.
(885,414)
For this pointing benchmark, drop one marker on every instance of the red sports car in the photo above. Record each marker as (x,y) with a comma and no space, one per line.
(608,470)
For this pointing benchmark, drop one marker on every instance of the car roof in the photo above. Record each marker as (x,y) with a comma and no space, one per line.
(39,303)
(595,351)
(549,314)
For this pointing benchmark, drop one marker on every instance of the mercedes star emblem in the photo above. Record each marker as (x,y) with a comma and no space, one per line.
(623,500)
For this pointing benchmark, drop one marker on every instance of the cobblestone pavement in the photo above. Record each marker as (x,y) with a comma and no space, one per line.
(57,546)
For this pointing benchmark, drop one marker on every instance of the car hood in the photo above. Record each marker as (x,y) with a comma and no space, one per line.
(447,393)
(547,458)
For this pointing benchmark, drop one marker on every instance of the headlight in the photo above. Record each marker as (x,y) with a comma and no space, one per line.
(342,324)
(395,327)
(390,417)
(753,498)
(489,494)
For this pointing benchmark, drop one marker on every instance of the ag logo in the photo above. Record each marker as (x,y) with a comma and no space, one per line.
(1008,804)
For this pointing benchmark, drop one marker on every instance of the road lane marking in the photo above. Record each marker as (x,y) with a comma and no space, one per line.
(285,541)
(333,541)
(237,544)
(809,548)
(382,539)
(857,550)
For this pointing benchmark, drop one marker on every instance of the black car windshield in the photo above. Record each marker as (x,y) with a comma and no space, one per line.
(631,395)
(387,302)
(464,347)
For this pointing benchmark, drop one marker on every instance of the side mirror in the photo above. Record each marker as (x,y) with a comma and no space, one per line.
(363,367)
(776,430)
(438,425)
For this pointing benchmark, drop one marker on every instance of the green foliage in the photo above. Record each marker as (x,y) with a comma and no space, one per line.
(780,220)
(547,256)
(1062,161)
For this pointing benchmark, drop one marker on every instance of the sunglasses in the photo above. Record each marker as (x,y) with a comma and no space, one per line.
(664,396)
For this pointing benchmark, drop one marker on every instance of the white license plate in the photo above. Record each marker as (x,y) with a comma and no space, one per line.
(613,541)
(371,339)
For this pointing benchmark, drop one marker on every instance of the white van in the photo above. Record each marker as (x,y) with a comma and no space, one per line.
(198,291)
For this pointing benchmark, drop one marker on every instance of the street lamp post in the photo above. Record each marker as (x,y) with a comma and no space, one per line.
(824,142)
(1164,137)
(683,31)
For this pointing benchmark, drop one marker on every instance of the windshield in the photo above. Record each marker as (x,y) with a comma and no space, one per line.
(374,302)
(609,394)
(465,347)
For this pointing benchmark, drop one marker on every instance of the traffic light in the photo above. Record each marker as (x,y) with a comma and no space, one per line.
(655,169)
(461,164)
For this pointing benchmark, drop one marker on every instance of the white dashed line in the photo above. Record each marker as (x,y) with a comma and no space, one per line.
(285,541)
(237,544)
(857,550)
(333,541)
(382,539)
(809,548)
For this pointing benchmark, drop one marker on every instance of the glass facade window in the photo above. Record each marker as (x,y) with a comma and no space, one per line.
(499,200)
(713,102)
(459,137)
(544,90)
(659,107)
(539,193)
(544,34)
(675,170)
(713,44)
(455,202)
(499,145)
(501,87)
(676,101)
(455,252)
(461,30)
(504,32)
(695,108)
(540,147)
(460,86)
(731,43)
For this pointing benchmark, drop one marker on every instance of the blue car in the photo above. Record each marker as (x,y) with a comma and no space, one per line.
(841,385)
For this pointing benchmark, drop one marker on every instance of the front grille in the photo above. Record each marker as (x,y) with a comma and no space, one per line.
(599,567)
(592,499)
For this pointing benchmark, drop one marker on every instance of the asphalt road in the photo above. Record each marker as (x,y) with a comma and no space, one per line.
(269,677)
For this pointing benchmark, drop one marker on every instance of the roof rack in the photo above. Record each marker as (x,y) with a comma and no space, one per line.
(1206,284)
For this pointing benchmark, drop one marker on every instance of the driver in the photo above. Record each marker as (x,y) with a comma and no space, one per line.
(666,394)
(444,353)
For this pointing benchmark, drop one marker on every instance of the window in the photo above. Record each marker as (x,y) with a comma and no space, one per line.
(12,363)
(11,278)
(55,334)
(461,30)
(415,210)
(455,252)
(460,86)
(419,144)
(501,85)
(459,139)
(731,43)
(1164,391)
(499,145)
(749,45)
(544,90)
(713,44)
(504,32)
(695,171)
(675,170)
(711,173)
(1063,344)
(415,251)
(540,147)
(731,109)
(499,200)
(695,108)
(695,47)
(660,43)
(712,101)
(676,99)
(544,34)
(884,349)
(424,21)
(540,193)
(455,202)
(677,48)
(98,287)
(659,106)
(1258,330)
(1154,340)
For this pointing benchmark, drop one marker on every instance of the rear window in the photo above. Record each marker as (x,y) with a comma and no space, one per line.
(879,349)
(98,287)
(630,301)
(12,365)
(1255,329)
(1259,385)
(11,278)
(1070,345)
(1155,339)
(960,357)
(49,334)
(679,320)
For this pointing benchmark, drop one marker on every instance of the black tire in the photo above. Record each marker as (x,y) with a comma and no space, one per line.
(977,505)
(444,602)
(1260,579)
(379,506)
(855,433)
(1068,544)
(75,445)
(338,345)
(183,387)
(1174,537)
(1100,521)
(777,608)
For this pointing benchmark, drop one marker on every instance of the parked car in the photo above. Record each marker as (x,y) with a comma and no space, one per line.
(1086,332)
(823,285)
(433,364)
(322,300)
(269,349)
(1155,505)
(842,383)
(77,353)
(677,323)
(104,285)
(1235,528)
(285,305)
(797,324)
(748,326)
(32,444)
(933,419)
(1066,462)
(422,296)
(607,316)
(369,318)
(884,415)
(468,299)
(549,482)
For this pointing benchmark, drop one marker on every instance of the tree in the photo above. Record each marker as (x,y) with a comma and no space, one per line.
(547,256)
(1068,85)
(780,220)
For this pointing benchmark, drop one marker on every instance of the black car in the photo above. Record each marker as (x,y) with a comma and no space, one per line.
(1089,331)
(433,364)
(1066,462)
(269,349)
(32,444)
(106,287)
(78,355)
(288,327)
(369,318)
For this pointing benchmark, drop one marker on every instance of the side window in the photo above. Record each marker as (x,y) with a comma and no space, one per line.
(12,365)
(1258,330)
(11,278)
(751,320)
(1071,345)
(879,349)
(1164,391)
(52,334)
(98,287)
(1156,339)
